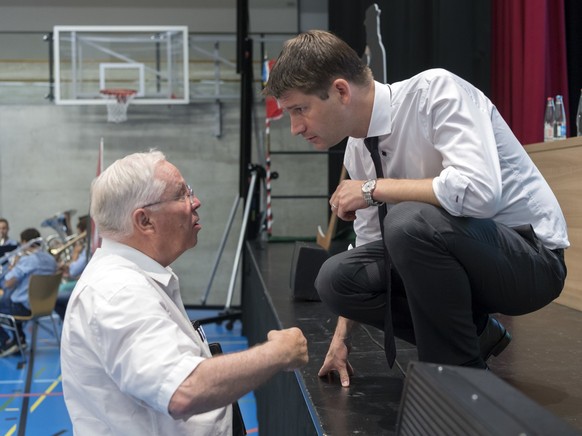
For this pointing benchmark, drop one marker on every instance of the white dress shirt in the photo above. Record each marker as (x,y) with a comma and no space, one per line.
(436,125)
(127,345)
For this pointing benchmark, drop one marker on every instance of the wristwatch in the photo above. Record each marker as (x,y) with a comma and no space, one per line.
(367,190)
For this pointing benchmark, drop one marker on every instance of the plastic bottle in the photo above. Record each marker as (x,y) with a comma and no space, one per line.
(560,130)
(549,120)
(579,115)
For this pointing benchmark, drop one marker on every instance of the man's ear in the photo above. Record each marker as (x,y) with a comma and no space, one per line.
(142,221)
(342,89)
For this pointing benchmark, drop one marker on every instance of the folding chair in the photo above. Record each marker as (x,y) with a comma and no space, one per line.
(42,296)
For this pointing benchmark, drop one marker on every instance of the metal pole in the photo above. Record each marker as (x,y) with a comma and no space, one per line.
(221,247)
(51,94)
(74,64)
(241,239)
(169,60)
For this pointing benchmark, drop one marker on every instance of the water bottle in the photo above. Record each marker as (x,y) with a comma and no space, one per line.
(579,115)
(560,130)
(549,120)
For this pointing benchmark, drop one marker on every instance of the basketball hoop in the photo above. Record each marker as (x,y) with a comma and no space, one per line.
(118,100)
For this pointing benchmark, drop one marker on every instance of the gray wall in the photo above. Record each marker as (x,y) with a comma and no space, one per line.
(48,153)
(266,16)
(48,157)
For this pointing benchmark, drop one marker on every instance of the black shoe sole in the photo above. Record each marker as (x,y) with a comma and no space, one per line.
(500,345)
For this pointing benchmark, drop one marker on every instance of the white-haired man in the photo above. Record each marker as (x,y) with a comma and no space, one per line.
(131,361)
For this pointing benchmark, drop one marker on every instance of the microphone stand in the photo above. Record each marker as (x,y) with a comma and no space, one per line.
(229,314)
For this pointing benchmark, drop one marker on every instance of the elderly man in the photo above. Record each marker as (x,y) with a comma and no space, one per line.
(131,361)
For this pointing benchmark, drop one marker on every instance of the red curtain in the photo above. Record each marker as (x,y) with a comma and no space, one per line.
(528,62)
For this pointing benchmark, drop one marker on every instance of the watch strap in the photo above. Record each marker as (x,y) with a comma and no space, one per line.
(367,193)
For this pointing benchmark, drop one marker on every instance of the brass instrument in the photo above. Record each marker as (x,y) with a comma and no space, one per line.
(20,250)
(10,258)
(61,222)
(57,251)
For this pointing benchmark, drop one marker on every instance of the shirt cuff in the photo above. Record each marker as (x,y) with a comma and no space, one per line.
(450,187)
(169,386)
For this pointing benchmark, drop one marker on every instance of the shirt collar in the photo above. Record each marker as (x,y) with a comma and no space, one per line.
(381,122)
(157,272)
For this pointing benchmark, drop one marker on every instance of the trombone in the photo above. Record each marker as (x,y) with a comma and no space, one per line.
(57,251)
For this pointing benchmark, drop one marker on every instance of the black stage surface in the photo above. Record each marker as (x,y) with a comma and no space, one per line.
(542,361)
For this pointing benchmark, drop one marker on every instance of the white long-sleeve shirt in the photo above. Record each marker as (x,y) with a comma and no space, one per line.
(127,346)
(437,125)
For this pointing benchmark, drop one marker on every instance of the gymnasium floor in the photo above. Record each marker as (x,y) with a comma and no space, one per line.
(31,398)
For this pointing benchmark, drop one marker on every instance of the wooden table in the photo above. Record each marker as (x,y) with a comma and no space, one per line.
(561,164)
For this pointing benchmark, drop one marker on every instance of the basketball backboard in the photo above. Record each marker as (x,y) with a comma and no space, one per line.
(152,60)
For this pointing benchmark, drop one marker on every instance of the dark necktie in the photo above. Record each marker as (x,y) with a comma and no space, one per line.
(389,345)
(372,146)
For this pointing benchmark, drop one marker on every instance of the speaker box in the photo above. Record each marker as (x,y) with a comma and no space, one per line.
(452,400)
(307,260)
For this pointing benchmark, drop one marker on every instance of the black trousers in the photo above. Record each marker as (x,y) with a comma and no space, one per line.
(9,307)
(447,274)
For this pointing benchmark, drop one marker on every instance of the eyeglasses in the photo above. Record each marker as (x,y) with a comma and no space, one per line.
(189,194)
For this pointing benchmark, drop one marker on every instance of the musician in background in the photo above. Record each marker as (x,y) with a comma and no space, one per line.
(6,244)
(32,260)
(4,239)
(72,270)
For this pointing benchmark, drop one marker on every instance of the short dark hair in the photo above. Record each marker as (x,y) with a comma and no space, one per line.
(82,224)
(310,63)
(29,235)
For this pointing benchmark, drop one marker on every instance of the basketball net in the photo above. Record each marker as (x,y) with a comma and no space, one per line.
(117,102)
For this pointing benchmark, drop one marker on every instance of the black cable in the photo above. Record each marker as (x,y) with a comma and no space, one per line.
(382,348)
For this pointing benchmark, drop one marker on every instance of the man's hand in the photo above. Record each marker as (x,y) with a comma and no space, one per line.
(292,344)
(337,360)
(221,380)
(348,198)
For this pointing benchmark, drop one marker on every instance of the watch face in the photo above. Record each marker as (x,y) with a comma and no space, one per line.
(368,186)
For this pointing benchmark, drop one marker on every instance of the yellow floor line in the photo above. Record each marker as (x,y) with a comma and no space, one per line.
(42,397)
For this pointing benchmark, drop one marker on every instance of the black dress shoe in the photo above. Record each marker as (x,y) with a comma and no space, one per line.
(493,339)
